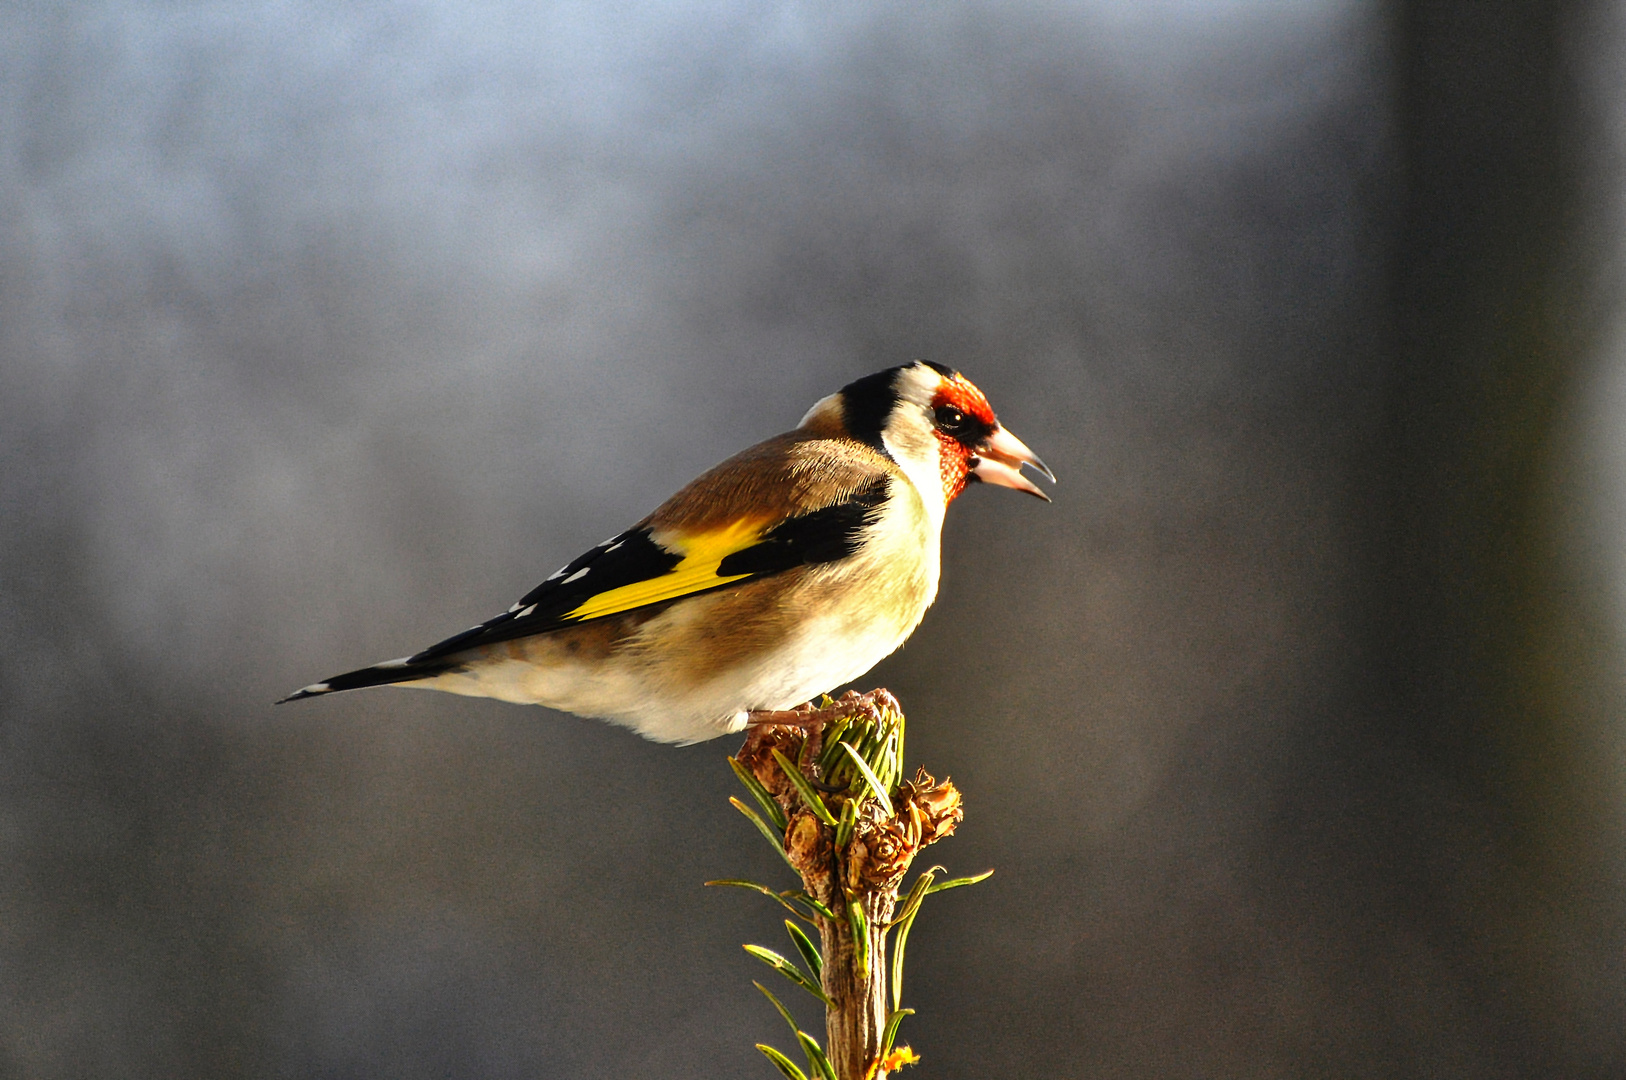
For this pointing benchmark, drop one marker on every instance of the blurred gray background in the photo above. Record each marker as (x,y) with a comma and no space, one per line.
(1293,728)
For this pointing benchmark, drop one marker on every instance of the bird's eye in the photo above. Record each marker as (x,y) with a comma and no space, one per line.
(950,419)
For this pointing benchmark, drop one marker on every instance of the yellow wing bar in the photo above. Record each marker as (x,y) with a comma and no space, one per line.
(695,573)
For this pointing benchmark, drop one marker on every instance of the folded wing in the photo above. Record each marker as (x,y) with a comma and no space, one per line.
(636,570)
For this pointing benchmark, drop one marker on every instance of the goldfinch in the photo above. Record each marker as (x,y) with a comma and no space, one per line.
(786,571)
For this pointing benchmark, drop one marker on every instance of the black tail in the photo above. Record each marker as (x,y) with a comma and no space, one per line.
(390,671)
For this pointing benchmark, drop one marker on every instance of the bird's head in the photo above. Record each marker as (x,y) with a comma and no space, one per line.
(935,424)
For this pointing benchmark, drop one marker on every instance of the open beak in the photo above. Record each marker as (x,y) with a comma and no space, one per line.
(999,460)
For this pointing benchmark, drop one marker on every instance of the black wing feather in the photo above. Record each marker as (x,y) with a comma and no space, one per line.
(824,535)
(621,560)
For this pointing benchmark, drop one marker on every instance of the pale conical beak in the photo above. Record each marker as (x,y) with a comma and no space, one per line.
(999,460)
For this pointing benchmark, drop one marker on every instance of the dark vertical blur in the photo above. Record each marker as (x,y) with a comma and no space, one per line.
(1293,726)
(1492,620)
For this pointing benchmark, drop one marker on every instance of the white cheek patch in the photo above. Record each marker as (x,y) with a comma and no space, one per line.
(920,462)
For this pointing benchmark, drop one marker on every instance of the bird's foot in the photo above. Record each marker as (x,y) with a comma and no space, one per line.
(869,705)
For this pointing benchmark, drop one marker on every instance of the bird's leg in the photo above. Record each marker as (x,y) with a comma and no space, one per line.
(763,730)
(803,716)
(852,703)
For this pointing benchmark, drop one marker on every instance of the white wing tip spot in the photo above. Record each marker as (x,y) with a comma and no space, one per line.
(578,574)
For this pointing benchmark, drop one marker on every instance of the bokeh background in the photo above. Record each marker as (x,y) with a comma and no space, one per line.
(1294,727)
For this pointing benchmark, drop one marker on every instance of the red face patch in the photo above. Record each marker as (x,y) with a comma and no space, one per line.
(954,451)
(954,463)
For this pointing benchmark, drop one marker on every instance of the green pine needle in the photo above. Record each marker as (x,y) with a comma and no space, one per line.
(955,883)
(784,1064)
(769,994)
(787,969)
(785,898)
(891,1034)
(917,895)
(769,804)
(898,944)
(809,951)
(860,929)
(804,789)
(816,906)
(849,819)
(816,1057)
(876,787)
(778,841)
